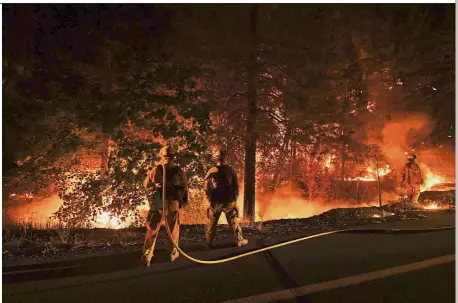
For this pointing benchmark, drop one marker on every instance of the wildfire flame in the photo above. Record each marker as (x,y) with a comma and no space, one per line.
(283,204)
(431,180)
(106,220)
(371,174)
(432,206)
(287,203)
(328,161)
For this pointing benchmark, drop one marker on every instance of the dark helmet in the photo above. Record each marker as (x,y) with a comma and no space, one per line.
(219,154)
(411,157)
(167,152)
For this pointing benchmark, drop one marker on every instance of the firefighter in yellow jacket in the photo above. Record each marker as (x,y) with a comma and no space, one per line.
(412,178)
(222,190)
(176,197)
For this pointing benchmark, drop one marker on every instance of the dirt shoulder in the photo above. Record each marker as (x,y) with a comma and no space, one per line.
(51,246)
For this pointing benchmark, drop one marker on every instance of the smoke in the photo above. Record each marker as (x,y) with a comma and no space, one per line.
(287,203)
(440,161)
(37,211)
(399,135)
(407,133)
(404,133)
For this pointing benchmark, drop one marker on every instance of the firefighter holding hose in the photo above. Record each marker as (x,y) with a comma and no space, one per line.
(176,197)
(222,190)
(412,179)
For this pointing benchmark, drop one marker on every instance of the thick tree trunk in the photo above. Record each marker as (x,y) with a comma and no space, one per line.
(357,183)
(250,141)
(292,170)
(342,166)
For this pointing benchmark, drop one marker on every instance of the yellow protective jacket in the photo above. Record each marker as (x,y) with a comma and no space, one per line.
(411,174)
(176,183)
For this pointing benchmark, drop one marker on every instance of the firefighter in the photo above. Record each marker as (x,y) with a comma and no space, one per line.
(176,197)
(412,179)
(222,190)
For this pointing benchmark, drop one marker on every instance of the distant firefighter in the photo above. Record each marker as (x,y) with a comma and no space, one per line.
(412,178)
(176,197)
(222,190)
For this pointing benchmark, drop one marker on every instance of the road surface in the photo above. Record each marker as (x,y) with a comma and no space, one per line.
(406,267)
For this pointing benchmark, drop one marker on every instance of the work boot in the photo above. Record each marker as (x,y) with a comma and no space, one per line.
(175,254)
(146,261)
(242,242)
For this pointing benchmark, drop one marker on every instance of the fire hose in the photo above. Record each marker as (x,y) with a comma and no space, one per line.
(246,254)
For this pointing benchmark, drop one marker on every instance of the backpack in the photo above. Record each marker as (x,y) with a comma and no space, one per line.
(222,187)
(174,187)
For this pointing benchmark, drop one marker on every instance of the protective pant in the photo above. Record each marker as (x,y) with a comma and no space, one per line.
(413,192)
(154,225)
(231,212)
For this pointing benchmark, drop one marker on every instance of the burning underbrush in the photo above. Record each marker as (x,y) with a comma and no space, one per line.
(284,203)
(287,203)
(283,213)
(319,185)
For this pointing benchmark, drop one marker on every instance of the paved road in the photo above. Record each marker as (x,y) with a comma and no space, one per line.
(331,259)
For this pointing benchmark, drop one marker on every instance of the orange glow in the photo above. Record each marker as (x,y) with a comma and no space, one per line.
(371,174)
(105,220)
(430,180)
(290,204)
(37,211)
(432,206)
(40,212)
(328,161)
(293,208)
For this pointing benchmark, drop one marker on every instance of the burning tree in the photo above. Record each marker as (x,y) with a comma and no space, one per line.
(115,90)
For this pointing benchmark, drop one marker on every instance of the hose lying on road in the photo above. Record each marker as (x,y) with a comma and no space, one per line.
(169,233)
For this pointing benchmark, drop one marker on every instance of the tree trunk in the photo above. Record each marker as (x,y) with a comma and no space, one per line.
(104,149)
(378,184)
(357,180)
(293,160)
(357,190)
(250,141)
(342,166)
